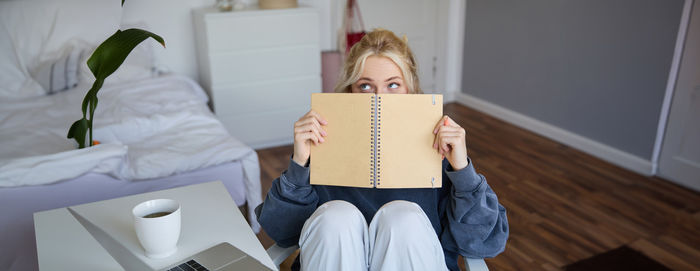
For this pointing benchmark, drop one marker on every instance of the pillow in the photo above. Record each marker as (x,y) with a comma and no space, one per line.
(33,31)
(70,67)
(60,74)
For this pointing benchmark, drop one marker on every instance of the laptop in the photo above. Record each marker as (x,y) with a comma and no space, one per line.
(222,256)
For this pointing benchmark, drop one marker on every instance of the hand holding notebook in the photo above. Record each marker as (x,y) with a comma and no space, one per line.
(307,131)
(450,141)
(377,140)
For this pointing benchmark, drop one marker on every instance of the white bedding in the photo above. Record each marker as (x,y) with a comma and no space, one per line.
(148,128)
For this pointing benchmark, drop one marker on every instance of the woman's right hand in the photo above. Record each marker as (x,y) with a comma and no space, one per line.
(307,131)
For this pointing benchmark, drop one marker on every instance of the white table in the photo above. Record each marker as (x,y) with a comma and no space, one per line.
(209,216)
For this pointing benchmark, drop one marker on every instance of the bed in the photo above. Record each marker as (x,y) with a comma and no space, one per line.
(156,130)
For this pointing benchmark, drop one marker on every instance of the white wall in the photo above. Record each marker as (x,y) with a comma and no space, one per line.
(172,20)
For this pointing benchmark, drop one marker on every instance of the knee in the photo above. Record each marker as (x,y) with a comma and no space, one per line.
(338,212)
(400,216)
(334,217)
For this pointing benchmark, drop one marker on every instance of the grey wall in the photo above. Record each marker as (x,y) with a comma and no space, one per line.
(597,68)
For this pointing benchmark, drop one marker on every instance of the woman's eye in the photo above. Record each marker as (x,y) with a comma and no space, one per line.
(393,85)
(365,87)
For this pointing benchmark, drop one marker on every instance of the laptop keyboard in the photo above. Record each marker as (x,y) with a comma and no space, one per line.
(190,265)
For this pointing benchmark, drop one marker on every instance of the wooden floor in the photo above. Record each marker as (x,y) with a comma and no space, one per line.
(563,205)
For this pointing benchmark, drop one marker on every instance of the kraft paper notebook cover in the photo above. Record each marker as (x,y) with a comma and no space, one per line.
(395,153)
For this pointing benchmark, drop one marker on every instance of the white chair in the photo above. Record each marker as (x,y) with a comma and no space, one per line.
(279,254)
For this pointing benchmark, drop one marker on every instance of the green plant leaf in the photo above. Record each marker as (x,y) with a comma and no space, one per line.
(113,51)
(104,61)
(91,96)
(78,130)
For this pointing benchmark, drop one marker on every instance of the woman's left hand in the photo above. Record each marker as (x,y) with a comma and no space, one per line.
(450,141)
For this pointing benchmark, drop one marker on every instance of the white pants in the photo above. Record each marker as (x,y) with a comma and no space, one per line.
(400,237)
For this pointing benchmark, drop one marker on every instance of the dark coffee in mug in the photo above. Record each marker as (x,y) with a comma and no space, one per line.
(157,214)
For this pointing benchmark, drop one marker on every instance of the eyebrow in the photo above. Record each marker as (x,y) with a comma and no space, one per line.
(387,80)
(392,78)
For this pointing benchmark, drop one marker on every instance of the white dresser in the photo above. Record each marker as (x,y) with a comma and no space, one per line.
(259,68)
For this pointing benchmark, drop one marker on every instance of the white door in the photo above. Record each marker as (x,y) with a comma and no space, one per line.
(680,153)
(417,19)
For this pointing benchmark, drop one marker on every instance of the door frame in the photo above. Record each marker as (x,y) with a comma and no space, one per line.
(454,49)
(671,84)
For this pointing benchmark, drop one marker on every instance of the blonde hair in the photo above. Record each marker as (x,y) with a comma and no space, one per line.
(379,42)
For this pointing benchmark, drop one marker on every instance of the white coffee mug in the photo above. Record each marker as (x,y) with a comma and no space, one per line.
(157,224)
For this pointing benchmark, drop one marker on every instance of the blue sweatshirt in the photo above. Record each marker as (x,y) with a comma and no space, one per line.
(464,212)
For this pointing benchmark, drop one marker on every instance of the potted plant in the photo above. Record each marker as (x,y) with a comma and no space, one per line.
(104,61)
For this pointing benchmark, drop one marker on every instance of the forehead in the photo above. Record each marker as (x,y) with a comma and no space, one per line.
(380,68)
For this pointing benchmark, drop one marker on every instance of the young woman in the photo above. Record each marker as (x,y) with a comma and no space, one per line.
(409,229)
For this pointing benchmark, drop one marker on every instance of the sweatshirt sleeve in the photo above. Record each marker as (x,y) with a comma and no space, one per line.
(477,224)
(290,201)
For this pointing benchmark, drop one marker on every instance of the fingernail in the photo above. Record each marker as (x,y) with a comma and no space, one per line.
(322,140)
(323,133)
(435,146)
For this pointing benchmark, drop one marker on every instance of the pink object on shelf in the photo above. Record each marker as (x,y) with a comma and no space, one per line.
(330,69)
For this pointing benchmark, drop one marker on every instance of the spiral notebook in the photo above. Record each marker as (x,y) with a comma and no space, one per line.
(377,141)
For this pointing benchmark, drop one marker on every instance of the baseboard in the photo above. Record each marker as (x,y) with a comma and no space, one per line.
(448,97)
(592,147)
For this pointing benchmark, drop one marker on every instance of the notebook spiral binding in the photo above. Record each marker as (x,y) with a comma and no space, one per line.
(373,145)
(378,153)
(375,141)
